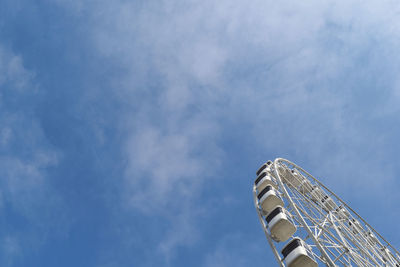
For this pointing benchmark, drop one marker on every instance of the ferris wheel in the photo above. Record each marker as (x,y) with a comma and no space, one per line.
(307,225)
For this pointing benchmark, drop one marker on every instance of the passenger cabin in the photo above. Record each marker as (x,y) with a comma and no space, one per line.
(317,194)
(263,180)
(386,256)
(269,199)
(297,254)
(321,198)
(342,213)
(284,173)
(280,224)
(264,167)
(294,178)
(355,226)
(372,239)
(305,187)
(328,204)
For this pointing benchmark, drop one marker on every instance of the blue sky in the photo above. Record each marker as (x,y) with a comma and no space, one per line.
(130,131)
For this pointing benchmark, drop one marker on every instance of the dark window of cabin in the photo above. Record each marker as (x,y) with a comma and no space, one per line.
(262,175)
(265,190)
(261,169)
(273,213)
(290,247)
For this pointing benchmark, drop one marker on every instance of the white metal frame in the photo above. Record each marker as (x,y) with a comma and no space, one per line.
(334,239)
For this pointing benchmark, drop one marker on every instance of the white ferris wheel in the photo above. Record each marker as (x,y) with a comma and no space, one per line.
(307,225)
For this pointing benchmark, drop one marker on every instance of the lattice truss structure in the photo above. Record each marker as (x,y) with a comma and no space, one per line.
(306,224)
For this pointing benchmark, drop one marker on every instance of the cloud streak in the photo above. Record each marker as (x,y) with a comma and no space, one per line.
(299,80)
(25,156)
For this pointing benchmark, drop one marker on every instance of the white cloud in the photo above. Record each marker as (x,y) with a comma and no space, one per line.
(25,155)
(183,233)
(300,74)
(233,250)
(12,249)
(13,72)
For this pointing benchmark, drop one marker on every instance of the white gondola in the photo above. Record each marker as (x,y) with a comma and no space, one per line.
(342,213)
(372,239)
(355,226)
(269,199)
(328,204)
(294,178)
(284,173)
(317,194)
(386,256)
(305,187)
(280,224)
(263,180)
(264,167)
(298,254)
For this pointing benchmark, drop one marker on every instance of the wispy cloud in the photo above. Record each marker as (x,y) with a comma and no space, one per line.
(229,250)
(302,80)
(25,155)
(13,72)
